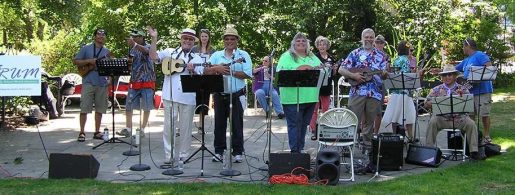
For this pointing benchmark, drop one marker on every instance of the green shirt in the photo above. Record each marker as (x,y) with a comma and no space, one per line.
(289,94)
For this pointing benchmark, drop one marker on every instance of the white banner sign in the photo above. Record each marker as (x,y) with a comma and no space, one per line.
(20,75)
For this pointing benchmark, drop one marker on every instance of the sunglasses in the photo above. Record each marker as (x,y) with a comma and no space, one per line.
(204,31)
(101,32)
(447,74)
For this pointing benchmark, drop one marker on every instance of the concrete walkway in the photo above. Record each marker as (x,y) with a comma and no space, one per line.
(23,154)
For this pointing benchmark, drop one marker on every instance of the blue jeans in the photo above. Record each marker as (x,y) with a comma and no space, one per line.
(261,97)
(297,124)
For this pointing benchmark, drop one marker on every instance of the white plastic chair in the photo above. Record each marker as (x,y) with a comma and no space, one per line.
(121,80)
(337,127)
(449,151)
(341,82)
(77,79)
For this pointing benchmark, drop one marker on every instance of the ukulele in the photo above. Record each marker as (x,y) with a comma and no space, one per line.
(366,72)
(171,66)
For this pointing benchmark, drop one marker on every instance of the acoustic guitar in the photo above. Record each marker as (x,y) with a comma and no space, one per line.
(85,69)
(366,72)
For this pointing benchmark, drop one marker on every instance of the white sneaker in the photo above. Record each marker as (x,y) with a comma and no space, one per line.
(238,159)
(125,132)
(219,156)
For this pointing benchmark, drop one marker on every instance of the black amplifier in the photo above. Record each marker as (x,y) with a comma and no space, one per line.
(392,150)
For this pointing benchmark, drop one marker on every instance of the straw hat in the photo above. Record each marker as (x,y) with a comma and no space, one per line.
(188,32)
(230,31)
(448,69)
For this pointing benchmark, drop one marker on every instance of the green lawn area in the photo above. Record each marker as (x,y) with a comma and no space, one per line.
(493,176)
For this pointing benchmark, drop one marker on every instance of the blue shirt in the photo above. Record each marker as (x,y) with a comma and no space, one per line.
(375,60)
(87,52)
(476,59)
(236,84)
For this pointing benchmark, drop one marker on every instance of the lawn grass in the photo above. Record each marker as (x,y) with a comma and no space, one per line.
(495,175)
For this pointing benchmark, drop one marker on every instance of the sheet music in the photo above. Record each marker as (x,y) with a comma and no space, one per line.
(394,81)
(476,73)
(461,104)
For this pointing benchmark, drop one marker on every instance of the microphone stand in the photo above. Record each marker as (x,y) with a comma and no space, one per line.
(269,112)
(139,166)
(229,171)
(172,171)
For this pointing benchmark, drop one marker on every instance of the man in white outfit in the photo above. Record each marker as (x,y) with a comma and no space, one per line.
(182,104)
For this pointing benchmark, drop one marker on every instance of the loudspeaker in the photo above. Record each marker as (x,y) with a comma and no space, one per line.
(392,149)
(424,155)
(76,166)
(328,166)
(281,163)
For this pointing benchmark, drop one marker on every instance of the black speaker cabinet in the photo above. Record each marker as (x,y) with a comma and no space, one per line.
(424,155)
(328,166)
(392,148)
(281,163)
(76,166)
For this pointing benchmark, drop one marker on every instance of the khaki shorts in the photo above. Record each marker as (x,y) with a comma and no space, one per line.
(93,94)
(485,102)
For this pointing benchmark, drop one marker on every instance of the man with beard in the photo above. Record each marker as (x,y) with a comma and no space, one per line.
(365,97)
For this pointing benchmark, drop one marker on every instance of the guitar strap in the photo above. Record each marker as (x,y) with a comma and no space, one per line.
(95,54)
(190,57)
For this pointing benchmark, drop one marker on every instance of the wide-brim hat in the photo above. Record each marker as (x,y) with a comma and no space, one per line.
(188,32)
(449,69)
(230,31)
(380,38)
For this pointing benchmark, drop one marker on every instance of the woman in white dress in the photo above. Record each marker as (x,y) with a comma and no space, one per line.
(395,113)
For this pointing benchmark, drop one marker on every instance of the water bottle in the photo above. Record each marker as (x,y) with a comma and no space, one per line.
(137,136)
(224,161)
(106,134)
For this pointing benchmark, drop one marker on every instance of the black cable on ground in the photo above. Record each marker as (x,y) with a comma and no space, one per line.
(42,142)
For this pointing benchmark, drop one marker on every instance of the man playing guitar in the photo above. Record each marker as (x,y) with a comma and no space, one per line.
(94,87)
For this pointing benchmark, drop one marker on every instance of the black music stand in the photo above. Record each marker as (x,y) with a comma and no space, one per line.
(112,68)
(297,79)
(203,85)
(403,81)
(453,104)
(477,75)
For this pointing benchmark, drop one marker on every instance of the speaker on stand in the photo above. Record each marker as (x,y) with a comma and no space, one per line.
(328,166)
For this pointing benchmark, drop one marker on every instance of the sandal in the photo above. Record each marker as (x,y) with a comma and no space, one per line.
(98,135)
(488,139)
(82,137)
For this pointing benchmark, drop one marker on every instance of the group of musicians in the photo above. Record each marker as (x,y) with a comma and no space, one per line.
(365,97)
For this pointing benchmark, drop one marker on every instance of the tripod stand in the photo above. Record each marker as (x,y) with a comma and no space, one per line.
(480,75)
(452,105)
(203,86)
(112,68)
(298,79)
(380,138)
(403,82)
